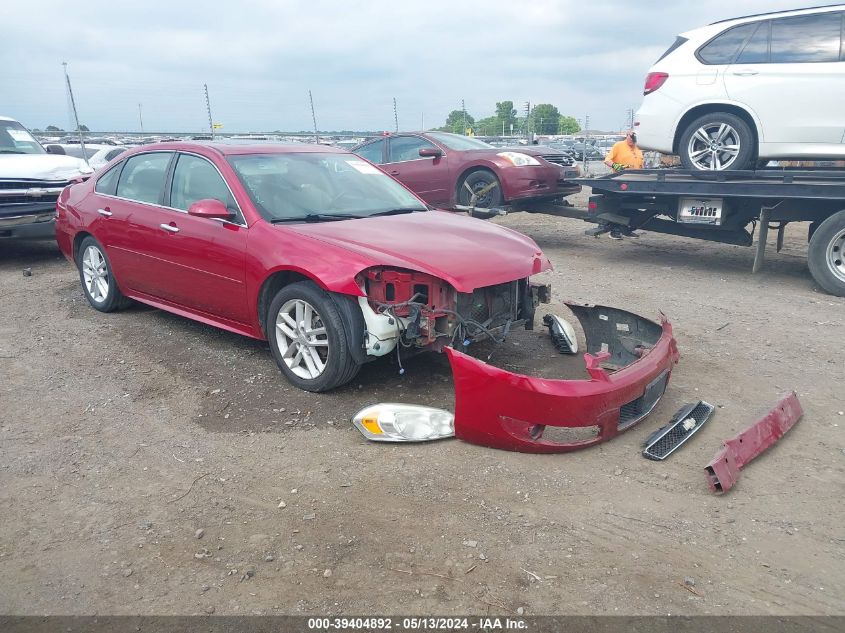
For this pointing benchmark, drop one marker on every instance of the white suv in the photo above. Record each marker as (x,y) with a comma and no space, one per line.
(750,89)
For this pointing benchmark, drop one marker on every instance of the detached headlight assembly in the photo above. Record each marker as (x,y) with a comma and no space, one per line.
(518,159)
(391,422)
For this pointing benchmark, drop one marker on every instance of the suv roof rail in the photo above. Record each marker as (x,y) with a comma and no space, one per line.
(785,11)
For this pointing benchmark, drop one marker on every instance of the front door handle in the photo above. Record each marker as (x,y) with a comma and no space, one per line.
(169,228)
(745,73)
(104,212)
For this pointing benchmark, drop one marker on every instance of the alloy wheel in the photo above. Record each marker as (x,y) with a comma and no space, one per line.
(302,339)
(714,146)
(836,255)
(96,274)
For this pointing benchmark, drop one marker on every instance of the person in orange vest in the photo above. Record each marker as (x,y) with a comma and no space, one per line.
(625,154)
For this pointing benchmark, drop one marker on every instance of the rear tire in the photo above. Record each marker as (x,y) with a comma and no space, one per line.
(717,141)
(95,274)
(480,180)
(308,339)
(826,254)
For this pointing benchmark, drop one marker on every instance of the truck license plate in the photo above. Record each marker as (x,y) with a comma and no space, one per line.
(700,211)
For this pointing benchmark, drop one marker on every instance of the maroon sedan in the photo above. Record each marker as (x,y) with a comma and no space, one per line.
(447,169)
(309,247)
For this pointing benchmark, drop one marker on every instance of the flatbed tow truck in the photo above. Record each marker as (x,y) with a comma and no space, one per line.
(722,206)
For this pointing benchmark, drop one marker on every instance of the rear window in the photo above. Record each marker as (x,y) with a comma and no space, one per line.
(807,38)
(723,48)
(756,50)
(678,41)
(142,178)
(108,181)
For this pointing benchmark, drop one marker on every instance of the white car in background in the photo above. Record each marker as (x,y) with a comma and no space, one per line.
(97,155)
(756,88)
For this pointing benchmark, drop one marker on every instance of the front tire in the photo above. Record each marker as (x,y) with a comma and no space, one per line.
(483,183)
(717,141)
(826,254)
(307,337)
(95,274)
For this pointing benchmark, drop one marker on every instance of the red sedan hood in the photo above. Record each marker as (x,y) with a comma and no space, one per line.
(466,252)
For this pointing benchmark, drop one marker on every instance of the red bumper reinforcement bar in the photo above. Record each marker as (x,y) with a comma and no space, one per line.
(723,471)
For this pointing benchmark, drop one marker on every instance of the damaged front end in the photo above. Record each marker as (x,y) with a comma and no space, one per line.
(416,310)
(629,360)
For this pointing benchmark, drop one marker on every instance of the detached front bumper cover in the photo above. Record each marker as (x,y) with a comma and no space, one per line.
(629,360)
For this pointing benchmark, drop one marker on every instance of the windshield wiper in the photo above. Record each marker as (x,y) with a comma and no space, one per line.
(398,211)
(328,217)
(318,217)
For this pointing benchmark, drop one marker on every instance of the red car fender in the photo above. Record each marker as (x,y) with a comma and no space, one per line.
(505,410)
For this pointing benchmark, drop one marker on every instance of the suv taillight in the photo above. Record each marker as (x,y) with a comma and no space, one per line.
(653,81)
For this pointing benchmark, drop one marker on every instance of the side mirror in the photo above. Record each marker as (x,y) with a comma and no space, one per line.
(210,208)
(431,152)
(55,149)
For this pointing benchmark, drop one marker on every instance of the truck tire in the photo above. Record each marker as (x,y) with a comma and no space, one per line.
(717,141)
(826,254)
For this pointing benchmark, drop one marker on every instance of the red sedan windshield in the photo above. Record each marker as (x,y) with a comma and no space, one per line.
(292,186)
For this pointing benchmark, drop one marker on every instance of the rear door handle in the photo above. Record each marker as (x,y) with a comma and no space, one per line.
(169,228)
(104,212)
(745,73)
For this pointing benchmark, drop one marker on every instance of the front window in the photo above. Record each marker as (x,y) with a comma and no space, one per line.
(194,178)
(458,142)
(405,148)
(317,186)
(15,139)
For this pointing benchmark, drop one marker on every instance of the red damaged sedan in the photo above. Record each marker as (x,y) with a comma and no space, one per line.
(448,169)
(312,248)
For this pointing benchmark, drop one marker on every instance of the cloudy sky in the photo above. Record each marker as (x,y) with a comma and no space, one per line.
(260,58)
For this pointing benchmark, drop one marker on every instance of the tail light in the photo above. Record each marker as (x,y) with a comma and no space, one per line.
(653,81)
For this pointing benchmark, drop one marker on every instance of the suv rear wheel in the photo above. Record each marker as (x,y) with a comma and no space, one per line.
(717,141)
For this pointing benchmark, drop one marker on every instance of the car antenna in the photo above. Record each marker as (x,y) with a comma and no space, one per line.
(75,116)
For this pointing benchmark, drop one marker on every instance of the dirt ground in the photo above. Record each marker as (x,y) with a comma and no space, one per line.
(122,435)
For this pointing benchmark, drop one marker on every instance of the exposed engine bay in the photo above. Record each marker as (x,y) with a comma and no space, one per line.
(419,311)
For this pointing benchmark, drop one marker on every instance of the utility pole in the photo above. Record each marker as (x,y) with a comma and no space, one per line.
(208,107)
(630,117)
(141,118)
(528,121)
(586,136)
(314,118)
(75,116)
(395,116)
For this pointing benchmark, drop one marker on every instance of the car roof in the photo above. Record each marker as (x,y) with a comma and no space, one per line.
(786,12)
(7,118)
(703,33)
(233,148)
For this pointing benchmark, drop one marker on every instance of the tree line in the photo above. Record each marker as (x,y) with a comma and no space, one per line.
(544,118)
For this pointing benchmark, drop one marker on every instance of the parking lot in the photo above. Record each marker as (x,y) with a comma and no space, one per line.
(124,434)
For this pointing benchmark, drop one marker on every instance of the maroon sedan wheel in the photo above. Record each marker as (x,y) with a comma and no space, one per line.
(484,185)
